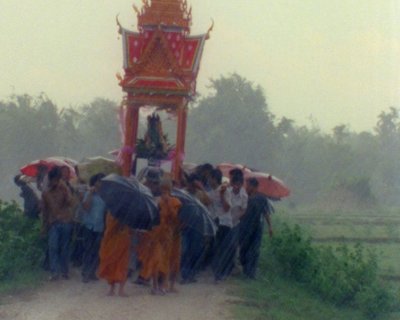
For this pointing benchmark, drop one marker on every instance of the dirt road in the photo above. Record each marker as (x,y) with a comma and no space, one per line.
(74,300)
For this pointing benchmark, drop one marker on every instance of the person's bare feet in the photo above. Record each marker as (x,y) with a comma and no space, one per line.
(110,293)
(173,290)
(157,292)
(123,294)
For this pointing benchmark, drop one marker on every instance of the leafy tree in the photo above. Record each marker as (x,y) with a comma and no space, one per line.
(340,133)
(98,128)
(387,178)
(232,124)
(34,128)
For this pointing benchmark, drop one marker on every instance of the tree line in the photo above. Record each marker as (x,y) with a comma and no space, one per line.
(233,123)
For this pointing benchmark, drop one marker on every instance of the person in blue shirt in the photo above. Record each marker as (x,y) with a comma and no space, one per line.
(93,221)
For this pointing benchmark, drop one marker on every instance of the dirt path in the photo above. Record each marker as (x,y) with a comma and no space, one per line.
(74,300)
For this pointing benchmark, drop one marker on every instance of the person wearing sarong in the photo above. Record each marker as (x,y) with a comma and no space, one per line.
(114,255)
(251,228)
(152,181)
(160,252)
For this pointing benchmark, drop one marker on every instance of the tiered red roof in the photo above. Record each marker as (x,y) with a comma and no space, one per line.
(162,58)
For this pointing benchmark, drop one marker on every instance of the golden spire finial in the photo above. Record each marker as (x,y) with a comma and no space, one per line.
(136,9)
(118,24)
(173,13)
(210,29)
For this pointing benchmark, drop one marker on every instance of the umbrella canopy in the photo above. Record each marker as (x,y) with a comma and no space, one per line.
(69,161)
(130,202)
(194,214)
(95,165)
(269,185)
(32,169)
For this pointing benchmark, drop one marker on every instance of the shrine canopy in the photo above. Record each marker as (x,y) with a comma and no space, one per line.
(161,60)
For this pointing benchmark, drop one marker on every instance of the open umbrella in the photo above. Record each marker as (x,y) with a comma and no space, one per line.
(91,166)
(130,202)
(32,169)
(194,214)
(69,161)
(269,185)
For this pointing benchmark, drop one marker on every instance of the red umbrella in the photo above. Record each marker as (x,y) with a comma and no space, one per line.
(268,184)
(32,169)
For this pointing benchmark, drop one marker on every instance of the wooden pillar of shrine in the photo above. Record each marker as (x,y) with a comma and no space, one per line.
(131,131)
(180,142)
(161,64)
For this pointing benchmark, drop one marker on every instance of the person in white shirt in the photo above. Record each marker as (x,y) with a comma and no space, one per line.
(224,253)
(238,199)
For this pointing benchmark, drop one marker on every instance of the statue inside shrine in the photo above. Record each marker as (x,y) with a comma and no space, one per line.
(154,145)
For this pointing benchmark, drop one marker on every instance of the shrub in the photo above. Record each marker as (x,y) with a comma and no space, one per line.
(21,248)
(374,300)
(294,253)
(344,276)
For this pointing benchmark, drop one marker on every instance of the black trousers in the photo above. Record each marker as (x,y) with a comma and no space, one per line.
(250,244)
(77,245)
(224,257)
(192,253)
(91,247)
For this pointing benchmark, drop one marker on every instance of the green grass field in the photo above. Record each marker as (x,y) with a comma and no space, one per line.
(376,230)
(273,297)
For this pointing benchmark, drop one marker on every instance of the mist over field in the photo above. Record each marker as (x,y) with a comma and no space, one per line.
(234,123)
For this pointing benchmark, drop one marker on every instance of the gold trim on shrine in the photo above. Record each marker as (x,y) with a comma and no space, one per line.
(161,64)
(172,13)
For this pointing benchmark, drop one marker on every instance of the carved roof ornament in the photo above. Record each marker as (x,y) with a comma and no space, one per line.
(162,59)
(166,13)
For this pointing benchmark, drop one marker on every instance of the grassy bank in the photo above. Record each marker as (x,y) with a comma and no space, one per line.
(302,279)
(23,281)
(272,297)
(377,230)
(21,250)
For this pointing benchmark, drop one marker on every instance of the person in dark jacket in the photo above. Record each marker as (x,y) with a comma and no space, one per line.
(251,228)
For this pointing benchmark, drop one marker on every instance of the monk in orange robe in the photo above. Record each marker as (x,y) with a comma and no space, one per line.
(160,251)
(115,254)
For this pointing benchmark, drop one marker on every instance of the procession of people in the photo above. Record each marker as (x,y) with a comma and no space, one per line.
(209,223)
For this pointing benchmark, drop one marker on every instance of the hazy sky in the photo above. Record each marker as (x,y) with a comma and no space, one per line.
(335,61)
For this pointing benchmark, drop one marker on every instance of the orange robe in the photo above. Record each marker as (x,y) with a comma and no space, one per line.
(160,248)
(114,251)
